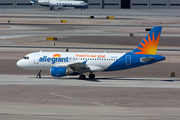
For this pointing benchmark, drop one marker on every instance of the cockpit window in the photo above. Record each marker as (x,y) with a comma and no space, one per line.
(27,58)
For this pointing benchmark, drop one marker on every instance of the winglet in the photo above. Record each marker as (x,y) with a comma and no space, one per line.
(84,62)
(150,43)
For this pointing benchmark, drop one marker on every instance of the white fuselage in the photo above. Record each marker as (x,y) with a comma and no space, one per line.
(59,3)
(46,60)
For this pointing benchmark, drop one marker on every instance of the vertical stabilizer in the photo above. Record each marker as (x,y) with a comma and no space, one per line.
(150,43)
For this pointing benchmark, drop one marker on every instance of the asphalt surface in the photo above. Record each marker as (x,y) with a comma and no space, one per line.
(114,96)
(143,93)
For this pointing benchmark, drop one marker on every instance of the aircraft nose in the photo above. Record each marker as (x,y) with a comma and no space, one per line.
(19,63)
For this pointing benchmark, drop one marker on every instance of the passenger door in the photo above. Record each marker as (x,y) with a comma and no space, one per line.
(36,59)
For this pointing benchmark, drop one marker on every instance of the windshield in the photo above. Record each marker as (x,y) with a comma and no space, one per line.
(26,57)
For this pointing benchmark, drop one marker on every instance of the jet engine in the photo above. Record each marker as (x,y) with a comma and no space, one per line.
(60,71)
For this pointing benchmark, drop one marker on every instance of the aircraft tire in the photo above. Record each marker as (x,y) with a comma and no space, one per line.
(38,76)
(82,77)
(91,76)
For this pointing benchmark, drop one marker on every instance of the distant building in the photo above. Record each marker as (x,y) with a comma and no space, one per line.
(104,4)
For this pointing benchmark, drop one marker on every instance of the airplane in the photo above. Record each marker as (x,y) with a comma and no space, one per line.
(53,4)
(77,63)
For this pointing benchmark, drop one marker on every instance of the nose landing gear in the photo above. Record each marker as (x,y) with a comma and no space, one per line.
(39,74)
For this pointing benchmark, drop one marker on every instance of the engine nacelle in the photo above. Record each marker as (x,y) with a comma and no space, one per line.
(60,71)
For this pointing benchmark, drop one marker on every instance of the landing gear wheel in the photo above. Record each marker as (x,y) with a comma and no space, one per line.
(39,74)
(82,77)
(91,76)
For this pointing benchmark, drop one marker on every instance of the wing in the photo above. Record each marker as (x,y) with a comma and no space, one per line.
(74,66)
(59,6)
(81,67)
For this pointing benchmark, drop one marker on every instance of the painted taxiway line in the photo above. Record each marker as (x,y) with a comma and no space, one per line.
(77,99)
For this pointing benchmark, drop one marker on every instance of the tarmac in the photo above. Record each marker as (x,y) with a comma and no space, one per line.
(144,93)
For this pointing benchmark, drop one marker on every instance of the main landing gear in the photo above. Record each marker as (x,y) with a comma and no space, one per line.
(83,77)
(91,76)
(39,74)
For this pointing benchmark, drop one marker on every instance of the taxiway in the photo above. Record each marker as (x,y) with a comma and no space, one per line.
(142,93)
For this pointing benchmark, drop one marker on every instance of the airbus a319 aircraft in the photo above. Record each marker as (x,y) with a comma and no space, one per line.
(74,63)
(60,4)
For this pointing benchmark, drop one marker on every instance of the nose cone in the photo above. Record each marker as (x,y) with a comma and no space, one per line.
(19,63)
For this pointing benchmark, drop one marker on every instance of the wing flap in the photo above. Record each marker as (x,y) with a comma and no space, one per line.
(58,6)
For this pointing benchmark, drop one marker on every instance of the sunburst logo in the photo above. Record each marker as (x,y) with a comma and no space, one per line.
(56,55)
(149,46)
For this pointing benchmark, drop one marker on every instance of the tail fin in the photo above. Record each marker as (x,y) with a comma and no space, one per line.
(150,43)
